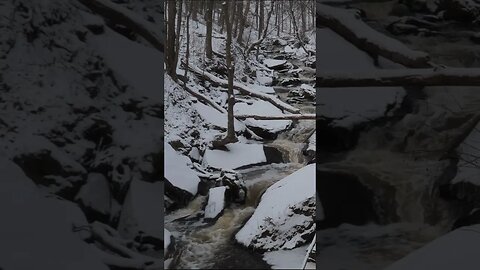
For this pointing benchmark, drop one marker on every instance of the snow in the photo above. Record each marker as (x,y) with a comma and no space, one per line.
(261,89)
(363,103)
(286,259)
(238,155)
(271,63)
(95,194)
(142,210)
(455,250)
(275,212)
(262,108)
(139,69)
(166,241)
(468,164)
(289,49)
(36,231)
(216,118)
(177,172)
(216,202)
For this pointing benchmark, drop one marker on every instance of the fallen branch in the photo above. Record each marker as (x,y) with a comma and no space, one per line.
(402,77)
(244,90)
(280,117)
(346,24)
(121,15)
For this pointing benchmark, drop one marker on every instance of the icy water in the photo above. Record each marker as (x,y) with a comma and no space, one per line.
(212,246)
(423,216)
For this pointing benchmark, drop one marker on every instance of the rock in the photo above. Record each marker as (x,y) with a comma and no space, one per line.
(53,169)
(99,132)
(356,197)
(471,219)
(466,11)
(95,199)
(475,38)
(216,203)
(283,219)
(400,10)
(273,155)
(141,217)
(236,189)
(275,64)
(291,82)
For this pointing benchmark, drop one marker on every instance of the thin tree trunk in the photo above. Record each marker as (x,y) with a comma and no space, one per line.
(264,34)
(242,23)
(170,53)
(187,53)
(178,34)
(208,20)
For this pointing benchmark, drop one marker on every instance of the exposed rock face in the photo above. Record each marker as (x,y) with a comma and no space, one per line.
(466,11)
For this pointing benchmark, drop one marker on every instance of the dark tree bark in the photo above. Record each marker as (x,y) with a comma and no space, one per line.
(179,28)
(170,53)
(242,23)
(209,22)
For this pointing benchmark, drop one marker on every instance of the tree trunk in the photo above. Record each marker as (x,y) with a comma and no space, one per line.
(261,20)
(304,18)
(402,77)
(187,30)
(355,31)
(280,117)
(209,22)
(243,19)
(178,34)
(264,34)
(170,53)
(231,137)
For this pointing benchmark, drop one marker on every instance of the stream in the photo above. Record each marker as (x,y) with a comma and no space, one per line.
(422,215)
(212,246)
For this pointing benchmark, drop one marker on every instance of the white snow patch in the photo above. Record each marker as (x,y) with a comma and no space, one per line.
(262,108)
(177,172)
(95,193)
(455,250)
(239,155)
(286,259)
(216,202)
(271,63)
(142,210)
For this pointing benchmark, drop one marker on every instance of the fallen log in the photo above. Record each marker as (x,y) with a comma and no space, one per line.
(279,117)
(121,15)
(346,24)
(243,89)
(402,77)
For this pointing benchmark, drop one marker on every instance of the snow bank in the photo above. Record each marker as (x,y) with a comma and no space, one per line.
(239,155)
(142,210)
(455,250)
(286,259)
(177,172)
(36,232)
(261,89)
(283,217)
(362,104)
(216,202)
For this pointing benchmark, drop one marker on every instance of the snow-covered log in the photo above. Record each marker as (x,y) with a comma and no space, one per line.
(402,77)
(244,89)
(121,15)
(310,116)
(350,27)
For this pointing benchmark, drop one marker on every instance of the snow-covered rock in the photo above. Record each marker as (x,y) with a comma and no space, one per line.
(216,118)
(95,197)
(274,63)
(264,128)
(178,173)
(238,155)
(283,219)
(36,232)
(216,202)
(142,212)
(455,250)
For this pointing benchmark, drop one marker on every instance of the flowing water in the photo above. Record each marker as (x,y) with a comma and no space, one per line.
(413,172)
(212,246)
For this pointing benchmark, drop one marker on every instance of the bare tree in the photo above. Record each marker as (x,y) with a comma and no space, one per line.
(170,50)
(209,22)
(230,137)
(242,22)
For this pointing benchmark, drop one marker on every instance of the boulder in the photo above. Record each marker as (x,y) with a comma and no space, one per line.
(95,198)
(216,203)
(283,219)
